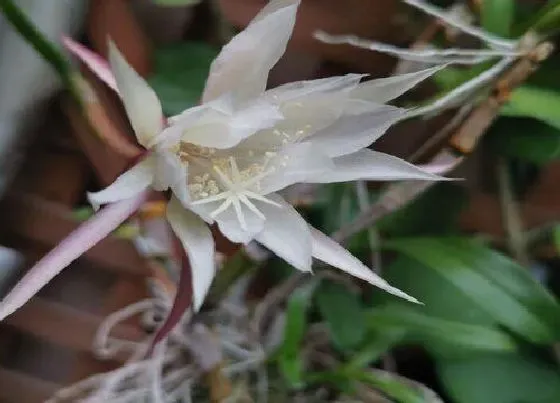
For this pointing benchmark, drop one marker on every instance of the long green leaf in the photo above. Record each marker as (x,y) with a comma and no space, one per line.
(398,388)
(48,51)
(495,284)
(535,102)
(437,331)
(499,378)
(546,22)
(289,359)
(343,314)
(378,342)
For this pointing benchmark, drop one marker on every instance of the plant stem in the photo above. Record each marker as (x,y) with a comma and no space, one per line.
(48,51)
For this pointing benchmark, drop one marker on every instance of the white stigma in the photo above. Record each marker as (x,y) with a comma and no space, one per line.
(237,193)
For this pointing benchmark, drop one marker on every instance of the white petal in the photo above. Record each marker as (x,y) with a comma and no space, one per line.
(140,101)
(354,132)
(330,252)
(228,131)
(372,165)
(295,163)
(196,238)
(78,242)
(286,234)
(130,183)
(219,127)
(171,172)
(298,89)
(230,226)
(385,89)
(243,64)
(96,63)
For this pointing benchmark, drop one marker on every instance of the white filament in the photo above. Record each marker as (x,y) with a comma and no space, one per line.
(456,95)
(435,56)
(237,193)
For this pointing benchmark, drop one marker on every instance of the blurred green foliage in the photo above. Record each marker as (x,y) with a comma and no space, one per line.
(180,73)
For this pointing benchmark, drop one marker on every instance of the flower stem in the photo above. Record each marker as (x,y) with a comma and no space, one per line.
(48,51)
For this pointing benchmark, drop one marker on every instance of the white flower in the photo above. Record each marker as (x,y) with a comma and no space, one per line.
(225,159)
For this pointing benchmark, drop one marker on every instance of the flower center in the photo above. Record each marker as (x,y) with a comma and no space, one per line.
(188,151)
(238,187)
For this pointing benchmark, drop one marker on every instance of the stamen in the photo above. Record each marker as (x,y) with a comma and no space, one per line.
(251,206)
(236,192)
(239,213)
(223,207)
(223,177)
(258,177)
(234,170)
(263,199)
(211,199)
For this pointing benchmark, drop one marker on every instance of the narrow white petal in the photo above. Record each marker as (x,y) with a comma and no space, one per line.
(243,64)
(385,89)
(367,164)
(330,252)
(196,238)
(78,242)
(299,89)
(354,132)
(140,101)
(286,234)
(130,183)
(96,63)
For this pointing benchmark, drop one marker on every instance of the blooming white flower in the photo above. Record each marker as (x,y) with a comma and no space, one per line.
(312,131)
(225,159)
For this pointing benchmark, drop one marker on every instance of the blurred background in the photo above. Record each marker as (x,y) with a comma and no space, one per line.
(482,253)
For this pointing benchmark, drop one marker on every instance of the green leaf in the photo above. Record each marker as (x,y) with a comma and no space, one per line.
(525,139)
(343,314)
(177,3)
(497,16)
(431,288)
(289,359)
(546,22)
(539,103)
(499,378)
(398,388)
(377,342)
(494,283)
(40,43)
(180,74)
(436,331)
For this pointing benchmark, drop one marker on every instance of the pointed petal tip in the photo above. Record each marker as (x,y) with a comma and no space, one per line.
(401,294)
(92,60)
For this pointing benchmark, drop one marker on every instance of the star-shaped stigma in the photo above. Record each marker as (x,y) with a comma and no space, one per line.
(237,193)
